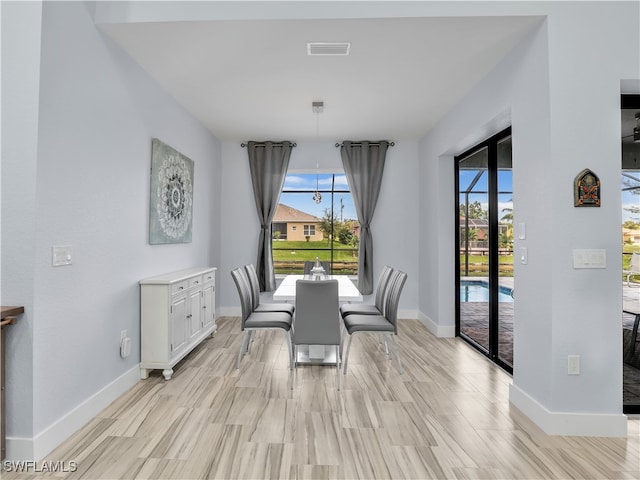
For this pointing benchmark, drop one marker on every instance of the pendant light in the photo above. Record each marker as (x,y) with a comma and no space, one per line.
(317,108)
(317,196)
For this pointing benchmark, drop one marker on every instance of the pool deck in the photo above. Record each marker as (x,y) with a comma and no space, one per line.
(630,295)
(502,281)
(475,326)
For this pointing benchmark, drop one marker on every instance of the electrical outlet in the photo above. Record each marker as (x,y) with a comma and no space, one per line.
(573,365)
(123,335)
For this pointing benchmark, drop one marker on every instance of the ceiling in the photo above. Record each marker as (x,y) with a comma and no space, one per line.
(253,80)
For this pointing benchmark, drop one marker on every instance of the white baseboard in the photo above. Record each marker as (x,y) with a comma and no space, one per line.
(407,314)
(440,331)
(571,424)
(44,442)
(229,312)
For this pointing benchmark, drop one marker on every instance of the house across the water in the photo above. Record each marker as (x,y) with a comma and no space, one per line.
(294,225)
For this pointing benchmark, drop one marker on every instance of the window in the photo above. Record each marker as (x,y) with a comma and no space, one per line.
(305,228)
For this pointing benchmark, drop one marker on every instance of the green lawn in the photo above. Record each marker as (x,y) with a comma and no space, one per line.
(289,257)
(479,265)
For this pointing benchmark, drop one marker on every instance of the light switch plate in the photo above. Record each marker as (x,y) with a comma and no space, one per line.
(573,365)
(589,258)
(524,255)
(61,255)
(522,230)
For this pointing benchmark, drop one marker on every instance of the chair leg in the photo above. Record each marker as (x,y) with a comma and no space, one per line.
(383,341)
(395,344)
(288,334)
(338,366)
(251,339)
(245,337)
(386,346)
(346,357)
(292,372)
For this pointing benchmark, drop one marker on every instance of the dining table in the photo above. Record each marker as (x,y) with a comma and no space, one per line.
(347,292)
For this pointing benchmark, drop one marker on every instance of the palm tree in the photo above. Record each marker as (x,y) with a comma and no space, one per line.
(508,213)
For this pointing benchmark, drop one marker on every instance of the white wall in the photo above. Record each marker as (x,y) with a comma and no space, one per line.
(98,113)
(20,85)
(560,91)
(76,172)
(395,231)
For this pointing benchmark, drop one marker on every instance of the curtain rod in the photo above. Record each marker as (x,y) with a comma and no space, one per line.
(262,144)
(391,144)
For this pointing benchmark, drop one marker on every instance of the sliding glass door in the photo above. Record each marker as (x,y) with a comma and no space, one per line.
(484,271)
(630,186)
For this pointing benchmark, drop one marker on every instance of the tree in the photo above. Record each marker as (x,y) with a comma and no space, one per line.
(631,225)
(343,233)
(472,234)
(475,210)
(508,214)
(326,225)
(354,243)
(505,240)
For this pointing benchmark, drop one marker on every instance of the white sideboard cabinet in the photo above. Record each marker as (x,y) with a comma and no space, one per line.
(177,313)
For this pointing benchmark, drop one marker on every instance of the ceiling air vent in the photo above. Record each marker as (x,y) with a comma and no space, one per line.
(328,48)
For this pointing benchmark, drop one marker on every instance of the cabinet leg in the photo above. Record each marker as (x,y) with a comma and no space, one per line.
(144,373)
(167,373)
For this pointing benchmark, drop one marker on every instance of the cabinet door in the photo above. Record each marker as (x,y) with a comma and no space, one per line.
(194,316)
(178,324)
(208,305)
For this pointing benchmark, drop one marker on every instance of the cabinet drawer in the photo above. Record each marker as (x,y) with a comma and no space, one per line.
(195,281)
(179,287)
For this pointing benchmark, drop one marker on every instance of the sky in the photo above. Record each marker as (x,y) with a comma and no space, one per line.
(632,178)
(307,183)
(505,184)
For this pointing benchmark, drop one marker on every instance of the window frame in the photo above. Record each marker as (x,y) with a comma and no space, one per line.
(331,192)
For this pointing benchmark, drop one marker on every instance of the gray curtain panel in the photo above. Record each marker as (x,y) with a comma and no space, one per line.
(364,165)
(268,162)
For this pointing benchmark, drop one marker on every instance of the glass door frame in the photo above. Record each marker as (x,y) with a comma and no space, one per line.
(491,144)
(628,102)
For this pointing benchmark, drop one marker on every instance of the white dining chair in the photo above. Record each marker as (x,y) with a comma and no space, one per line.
(386,324)
(252,321)
(252,276)
(317,318)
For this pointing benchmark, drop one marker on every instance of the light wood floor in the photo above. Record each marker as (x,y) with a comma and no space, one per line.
(448,416)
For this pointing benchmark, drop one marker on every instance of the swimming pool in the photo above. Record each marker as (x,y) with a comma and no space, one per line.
(478,291)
